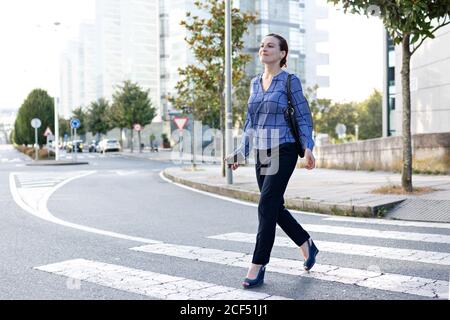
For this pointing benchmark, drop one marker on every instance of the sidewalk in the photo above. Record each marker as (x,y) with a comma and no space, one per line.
(338,192)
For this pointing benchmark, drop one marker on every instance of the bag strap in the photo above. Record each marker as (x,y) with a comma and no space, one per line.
(291,112)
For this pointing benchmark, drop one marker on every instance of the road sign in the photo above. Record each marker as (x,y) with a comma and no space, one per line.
(48,132)
(75,123)
(180,122)
(137,127)
(340,129)
(36,123)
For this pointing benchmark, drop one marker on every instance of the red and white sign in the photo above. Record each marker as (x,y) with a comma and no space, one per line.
(137,127)
(180,122)
(48,132)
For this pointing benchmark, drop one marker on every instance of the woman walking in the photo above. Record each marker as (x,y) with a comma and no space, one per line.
(276,153)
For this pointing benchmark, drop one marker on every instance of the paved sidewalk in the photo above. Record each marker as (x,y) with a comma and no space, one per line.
(339,192)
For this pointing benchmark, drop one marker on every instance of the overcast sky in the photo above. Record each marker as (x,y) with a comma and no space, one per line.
(29,57)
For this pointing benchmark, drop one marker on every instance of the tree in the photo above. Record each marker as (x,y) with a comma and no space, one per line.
(135,106)
(81,115)
(201,89)
(97,117)
(39,105)
(409,23)
(64,127)
(370,116)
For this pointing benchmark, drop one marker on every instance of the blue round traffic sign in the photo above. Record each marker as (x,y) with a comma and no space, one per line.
(75,123)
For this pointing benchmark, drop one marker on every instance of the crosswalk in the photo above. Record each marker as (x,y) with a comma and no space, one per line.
(165,286)
(403,259)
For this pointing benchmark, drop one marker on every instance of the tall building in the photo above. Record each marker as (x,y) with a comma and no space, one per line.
(128,46)
(122,44)
(293,19)
(430,86)
(77,76)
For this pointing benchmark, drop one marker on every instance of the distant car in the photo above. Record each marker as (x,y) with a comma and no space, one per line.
(108,145)
(93,146)
(71,145)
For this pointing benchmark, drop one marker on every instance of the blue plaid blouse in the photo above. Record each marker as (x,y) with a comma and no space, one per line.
(265,125)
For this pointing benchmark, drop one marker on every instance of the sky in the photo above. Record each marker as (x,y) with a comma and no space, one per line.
(31,45)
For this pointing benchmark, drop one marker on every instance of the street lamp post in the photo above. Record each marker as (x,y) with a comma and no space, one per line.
(228,74)
(55,102)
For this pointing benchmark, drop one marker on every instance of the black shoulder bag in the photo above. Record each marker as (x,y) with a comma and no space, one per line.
(291,120)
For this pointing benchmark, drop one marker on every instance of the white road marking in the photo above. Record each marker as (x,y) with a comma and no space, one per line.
(402,223)
(383,234)
(148,283)
(35,201)
(362,278)
(441,258)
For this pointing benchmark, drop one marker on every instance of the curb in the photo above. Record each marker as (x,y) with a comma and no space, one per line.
(294,204)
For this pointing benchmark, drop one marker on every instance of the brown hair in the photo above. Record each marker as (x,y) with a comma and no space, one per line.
(283,47)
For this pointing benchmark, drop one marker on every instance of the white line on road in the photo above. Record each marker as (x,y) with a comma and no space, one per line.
(148,283)
(36,204)
(383,234)
(362,278)
(392,222)
(441,258)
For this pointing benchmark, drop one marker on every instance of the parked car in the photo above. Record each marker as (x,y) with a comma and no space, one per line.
(93,146)
(71,145)
(108,145)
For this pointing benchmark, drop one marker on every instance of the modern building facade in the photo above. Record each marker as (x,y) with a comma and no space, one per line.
(430,86)
(122,44)
(143,41)
(293,19)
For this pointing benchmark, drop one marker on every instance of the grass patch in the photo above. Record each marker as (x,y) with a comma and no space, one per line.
(397,189)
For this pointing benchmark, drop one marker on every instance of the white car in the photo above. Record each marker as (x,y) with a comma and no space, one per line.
(108,145)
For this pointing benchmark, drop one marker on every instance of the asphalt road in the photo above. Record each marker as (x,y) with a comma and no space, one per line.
(114,228)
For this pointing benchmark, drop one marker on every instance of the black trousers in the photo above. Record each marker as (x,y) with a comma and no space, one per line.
(273,179)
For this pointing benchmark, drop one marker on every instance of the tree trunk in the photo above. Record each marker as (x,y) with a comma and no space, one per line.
(406,124)
(132,140)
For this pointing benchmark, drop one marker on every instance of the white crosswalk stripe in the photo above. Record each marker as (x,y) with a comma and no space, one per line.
(419,224)
(441,258)
(148,283)
(363,278)
(382,234)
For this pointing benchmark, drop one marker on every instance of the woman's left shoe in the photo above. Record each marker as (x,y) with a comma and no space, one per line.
(312,252)
(259,280)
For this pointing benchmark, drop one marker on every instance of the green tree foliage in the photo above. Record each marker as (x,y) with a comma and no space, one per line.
(97,117)
(134,104)
(201,88)
(64,127)
(39,105)
(409,23)
(370,116)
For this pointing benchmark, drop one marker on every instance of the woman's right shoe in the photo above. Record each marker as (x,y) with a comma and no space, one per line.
(259,280)
(312,252)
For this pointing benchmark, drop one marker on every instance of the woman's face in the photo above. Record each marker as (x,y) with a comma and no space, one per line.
(269,51)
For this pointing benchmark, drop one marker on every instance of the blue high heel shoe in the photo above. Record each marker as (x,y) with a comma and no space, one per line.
(259,280)
(313,251)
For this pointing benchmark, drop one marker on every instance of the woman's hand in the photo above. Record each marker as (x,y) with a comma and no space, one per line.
(310,161)
(229,160)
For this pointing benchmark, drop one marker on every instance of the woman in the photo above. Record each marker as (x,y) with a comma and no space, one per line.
(276,154)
